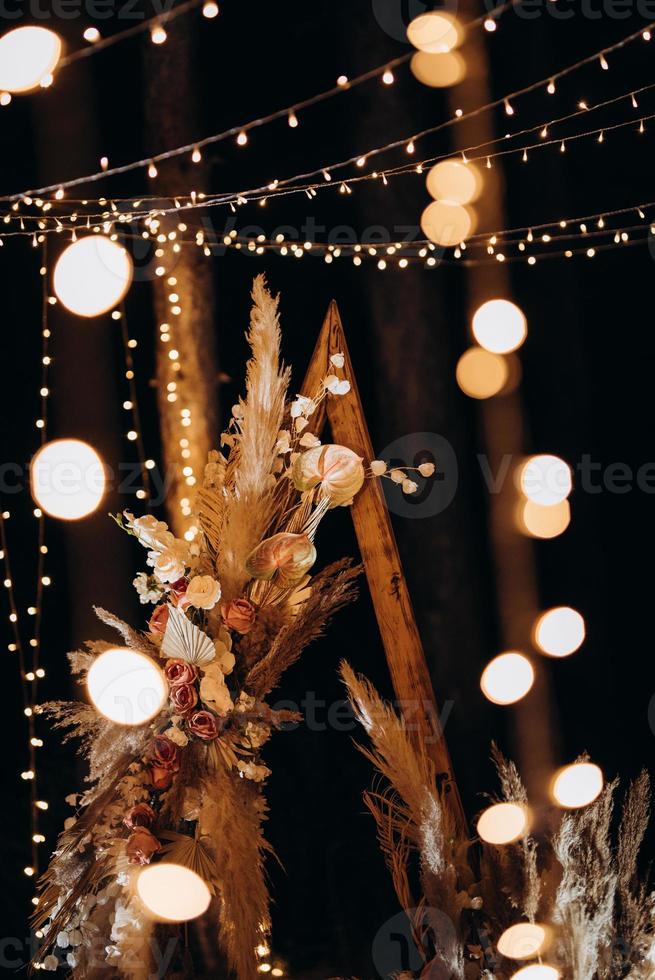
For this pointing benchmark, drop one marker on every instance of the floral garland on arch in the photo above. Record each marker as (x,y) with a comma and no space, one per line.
(183,790)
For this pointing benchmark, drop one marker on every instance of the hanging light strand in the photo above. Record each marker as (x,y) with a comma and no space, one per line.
(135,434)
(235,131)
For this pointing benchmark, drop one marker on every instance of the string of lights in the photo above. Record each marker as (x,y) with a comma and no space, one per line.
(290,112)
(134,435)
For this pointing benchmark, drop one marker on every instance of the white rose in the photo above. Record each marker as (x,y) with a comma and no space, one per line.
(203,592)
(213,690)
(169,565)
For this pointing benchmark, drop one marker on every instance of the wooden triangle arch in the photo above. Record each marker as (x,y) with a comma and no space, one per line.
(377,544)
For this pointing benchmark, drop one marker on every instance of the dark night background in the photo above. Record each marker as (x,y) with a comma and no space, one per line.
(587,387)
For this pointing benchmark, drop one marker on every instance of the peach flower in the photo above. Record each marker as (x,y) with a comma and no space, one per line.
(141,846)
(336,469)
(239,615)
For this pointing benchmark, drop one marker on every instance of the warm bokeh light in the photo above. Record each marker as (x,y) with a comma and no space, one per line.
(577,785)
(67,479)
(438,70)
(544,522)
(28,55)
(92,275)
(173,893)
(500,326)
(126,687)
(447,224)
(560,631)
(481,374)
(434,33)
(537,971)
(454,182)
(546,480)
(522,941)
(507,679)
(503,823)
(210,9)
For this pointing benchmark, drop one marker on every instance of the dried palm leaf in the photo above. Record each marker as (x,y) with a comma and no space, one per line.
(184,641)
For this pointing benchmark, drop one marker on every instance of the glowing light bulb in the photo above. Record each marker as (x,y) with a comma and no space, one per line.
(447,224)
(522,941)
(434,33)
(172,893)
(490,24)
(126,687)
(577,785)
(544,522)
(454,182)
(158,34)
(481,374)
(92,275)
(547,480)
(92,35)
(242,138)
(438,70)
(293,120)
(560,632)
(196,156)
(537,971)
(388,77)
(507,678)
(210,10)
(67,479)
(503,823)
(500,326)
(28,55)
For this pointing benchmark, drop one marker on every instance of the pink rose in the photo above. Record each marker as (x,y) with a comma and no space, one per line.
(141,815)
(184,698)
(141,846)
(160,779)
(178,593)
(239,615)
(180,672)
(204,725)
(165,754)
(159,620)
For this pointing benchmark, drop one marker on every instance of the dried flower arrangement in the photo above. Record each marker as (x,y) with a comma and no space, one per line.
(233,610)
(577,888)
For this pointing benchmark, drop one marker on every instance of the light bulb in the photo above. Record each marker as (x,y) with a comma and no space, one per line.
(28,55)
(67,479)
(537,971)
(522,941)
(434,33)
(577,785)
(91,34)
(560,632)
(92,275)
(158,34)
(210,10)
(507,679)
(500,326)
(454,182)
(503,823)
(172,893)
(126,687)
(546,480)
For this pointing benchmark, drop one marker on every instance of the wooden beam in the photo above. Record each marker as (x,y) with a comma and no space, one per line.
(377,543)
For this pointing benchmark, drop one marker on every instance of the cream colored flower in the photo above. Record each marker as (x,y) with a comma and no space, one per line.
(302,406)
(335,386)
(409,487)
(336,469)
(178,736)
(213,690)
(203,592)
(224,657)
(338,360)
(152,533)
(426,469)
(378,467)
(310,441)
(169,565)
(253,772)
(397,476)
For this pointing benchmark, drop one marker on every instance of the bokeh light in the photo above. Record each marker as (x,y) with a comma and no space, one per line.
(500,326)
(92,275)
(544,522)
(447,224)
(434,32)
(545,479)
(503,823)
(126,687)
(67,479)
(28,56)
(481,374)
(173,893)
(577,785)
(560,632)
(537,971)
(438,70)
(454,182)
(507,679)
(522,941)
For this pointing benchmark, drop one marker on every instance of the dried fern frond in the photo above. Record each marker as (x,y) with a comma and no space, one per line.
(133,639)
(330,590)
